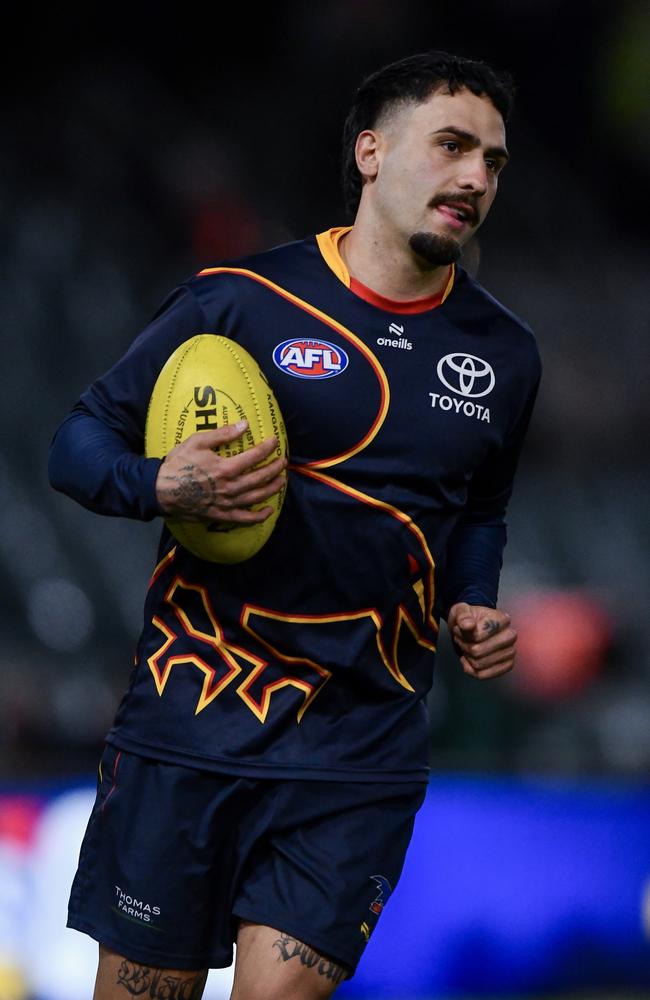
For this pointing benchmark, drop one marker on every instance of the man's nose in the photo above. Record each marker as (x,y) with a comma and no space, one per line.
(473,175)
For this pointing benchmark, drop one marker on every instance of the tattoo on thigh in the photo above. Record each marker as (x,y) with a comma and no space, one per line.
(156,984)
(290,947)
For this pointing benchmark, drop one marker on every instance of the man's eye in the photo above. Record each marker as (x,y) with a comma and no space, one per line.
(450,145)
(495,166)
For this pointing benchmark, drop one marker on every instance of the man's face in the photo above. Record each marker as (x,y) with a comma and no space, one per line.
(432,175)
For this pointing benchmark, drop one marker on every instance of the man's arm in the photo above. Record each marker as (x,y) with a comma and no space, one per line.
(97,458)
(482,634)
(92,464)
(97,466)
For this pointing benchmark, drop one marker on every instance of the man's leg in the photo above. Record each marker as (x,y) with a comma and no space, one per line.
(271,965)
(118,979)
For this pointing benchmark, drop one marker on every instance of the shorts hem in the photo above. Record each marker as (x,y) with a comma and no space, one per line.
(314,940)
(149,956)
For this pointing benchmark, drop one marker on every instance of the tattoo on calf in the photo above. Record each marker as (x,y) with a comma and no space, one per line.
(290,947)
(156,984)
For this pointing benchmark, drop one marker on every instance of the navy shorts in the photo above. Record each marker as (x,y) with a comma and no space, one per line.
(173,856)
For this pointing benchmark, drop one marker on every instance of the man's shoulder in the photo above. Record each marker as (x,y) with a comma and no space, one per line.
(273,264)
(474,298)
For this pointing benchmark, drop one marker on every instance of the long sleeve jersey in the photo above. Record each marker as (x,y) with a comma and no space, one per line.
(405,423)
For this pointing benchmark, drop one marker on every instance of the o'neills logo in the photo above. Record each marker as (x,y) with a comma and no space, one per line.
(469,377)
(397,340)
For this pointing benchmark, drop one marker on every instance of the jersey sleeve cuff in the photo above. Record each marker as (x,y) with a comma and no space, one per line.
(150,507)
(472,596)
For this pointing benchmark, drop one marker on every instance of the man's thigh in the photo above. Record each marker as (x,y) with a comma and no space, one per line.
(272,965)
(331,856)
(159,864)
(119,978)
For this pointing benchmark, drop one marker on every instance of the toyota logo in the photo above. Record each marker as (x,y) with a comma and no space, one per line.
(461,372)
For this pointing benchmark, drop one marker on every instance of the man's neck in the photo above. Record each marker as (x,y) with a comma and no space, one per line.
(388,270)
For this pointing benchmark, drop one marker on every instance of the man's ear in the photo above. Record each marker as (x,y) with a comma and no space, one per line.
(366,153)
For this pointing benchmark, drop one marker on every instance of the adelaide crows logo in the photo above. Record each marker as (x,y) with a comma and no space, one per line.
(384,891)
(310,358)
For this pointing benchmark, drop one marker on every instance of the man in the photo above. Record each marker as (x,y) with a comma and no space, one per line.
(266,763)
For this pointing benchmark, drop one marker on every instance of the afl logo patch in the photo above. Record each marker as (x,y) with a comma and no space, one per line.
(310,358)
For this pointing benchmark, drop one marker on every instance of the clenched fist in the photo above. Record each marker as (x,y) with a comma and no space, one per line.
(485,639)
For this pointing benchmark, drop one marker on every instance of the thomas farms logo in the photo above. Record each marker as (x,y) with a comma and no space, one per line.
(310,358)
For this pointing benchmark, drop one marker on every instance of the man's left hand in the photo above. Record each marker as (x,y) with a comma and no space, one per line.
(485,639)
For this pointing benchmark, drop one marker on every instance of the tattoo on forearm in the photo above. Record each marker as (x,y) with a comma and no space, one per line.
(490,626)
(290,947)
(156,984)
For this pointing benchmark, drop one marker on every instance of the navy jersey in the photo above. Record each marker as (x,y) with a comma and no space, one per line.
(405,422)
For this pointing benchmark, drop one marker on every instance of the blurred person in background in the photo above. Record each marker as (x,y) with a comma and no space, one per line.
(276,812)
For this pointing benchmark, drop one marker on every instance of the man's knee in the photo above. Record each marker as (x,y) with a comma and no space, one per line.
(119,977)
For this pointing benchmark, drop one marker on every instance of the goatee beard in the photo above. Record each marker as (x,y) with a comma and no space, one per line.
(436,250)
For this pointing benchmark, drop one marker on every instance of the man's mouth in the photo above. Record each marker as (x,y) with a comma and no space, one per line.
(457,213)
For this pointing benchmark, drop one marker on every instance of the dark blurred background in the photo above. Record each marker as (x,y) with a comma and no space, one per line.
(140,146)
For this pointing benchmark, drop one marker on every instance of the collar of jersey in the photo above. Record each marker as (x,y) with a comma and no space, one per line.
(328,244)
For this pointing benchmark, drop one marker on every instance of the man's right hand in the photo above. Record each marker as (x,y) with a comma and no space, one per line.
(196,484)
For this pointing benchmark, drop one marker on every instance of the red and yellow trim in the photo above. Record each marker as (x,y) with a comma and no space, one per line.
(348,335)
(161,676)
(162,565)
(226,651)
(261,708)
(423,587)
(426,594)
(210,690)
(229,652)
(328,244)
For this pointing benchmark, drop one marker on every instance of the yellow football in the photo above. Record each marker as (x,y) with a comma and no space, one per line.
(209,382)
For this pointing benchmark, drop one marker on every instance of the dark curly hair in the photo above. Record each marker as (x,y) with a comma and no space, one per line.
(413,80)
